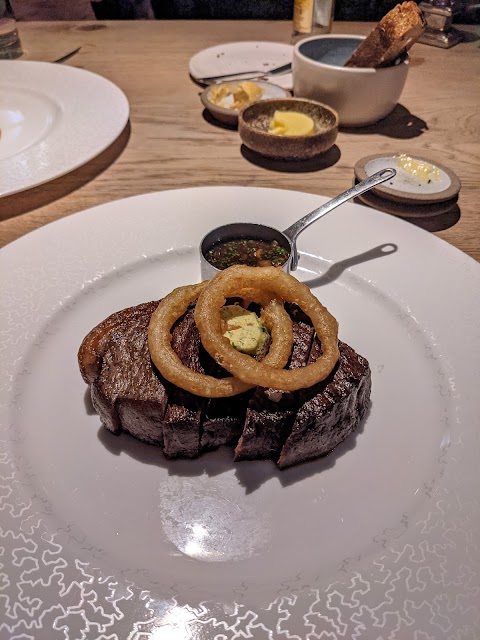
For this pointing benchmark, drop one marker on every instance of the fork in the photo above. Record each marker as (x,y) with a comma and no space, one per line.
(246,75)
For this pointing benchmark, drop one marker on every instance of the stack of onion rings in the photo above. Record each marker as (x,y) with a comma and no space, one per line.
(270,287)
(175,304)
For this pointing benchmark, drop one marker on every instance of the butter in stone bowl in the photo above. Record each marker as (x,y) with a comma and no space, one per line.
(288,129)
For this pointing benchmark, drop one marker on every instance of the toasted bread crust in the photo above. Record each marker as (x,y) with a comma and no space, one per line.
(396,32)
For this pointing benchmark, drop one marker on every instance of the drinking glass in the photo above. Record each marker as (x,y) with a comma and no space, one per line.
(10,45)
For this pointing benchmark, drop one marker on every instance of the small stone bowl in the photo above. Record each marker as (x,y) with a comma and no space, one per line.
(254,122)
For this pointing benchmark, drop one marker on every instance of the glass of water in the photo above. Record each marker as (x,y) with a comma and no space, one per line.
(10,45)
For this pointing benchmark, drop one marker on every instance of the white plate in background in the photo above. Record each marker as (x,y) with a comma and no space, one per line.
(239,57)
(107,538)
(53,119)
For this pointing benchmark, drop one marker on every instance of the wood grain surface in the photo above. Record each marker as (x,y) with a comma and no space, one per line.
(171,144)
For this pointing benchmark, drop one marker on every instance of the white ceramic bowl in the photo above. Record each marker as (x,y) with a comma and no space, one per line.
(360,96)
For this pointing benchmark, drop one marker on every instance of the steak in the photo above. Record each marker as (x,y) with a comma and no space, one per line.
(129,393)
(330,410)
(181,427)
(271,412)
(126,389)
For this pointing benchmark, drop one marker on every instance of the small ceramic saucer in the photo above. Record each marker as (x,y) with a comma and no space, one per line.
(230,116)
(440,185)
(405,210)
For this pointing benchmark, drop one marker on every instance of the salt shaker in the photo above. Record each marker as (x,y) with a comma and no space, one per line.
(438,15)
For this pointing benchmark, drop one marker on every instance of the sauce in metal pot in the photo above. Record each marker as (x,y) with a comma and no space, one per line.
(253,253)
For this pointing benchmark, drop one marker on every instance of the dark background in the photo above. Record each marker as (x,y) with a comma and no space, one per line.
(466,11)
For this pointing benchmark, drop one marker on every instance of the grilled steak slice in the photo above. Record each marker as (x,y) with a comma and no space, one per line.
(332,410)
(112,358)
(96,342)
(181,430)
(223,421)
(126,390)
(271,413)
(224,418)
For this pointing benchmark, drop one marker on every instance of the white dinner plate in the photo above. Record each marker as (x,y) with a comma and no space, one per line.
(53,119)
(102,537)
(238,57)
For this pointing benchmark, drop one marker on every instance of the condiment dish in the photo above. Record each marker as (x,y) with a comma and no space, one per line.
(426,183)
(223,113)
(286,240)
(255,120)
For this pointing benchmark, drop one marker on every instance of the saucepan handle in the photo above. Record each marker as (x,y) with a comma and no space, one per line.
(296,228)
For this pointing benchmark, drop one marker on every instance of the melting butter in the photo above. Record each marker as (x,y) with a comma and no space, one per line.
(235,97)
(244,329)
(424,171)
(246,93)
(291,123)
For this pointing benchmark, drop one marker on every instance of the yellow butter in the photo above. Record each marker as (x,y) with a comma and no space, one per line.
(244,94)
(245,330)
(422,170)
(219,92)
(291,123)
(235,97)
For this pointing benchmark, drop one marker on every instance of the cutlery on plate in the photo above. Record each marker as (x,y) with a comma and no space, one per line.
(250,74)
(67,56)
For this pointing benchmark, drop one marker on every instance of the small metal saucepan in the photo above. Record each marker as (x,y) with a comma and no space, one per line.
(288,238)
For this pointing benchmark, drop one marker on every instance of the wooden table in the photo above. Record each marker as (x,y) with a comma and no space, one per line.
(170,144)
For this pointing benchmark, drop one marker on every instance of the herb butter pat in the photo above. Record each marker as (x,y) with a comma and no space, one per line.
(244,329)
(291,123)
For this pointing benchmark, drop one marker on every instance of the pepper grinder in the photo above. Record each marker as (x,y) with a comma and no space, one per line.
(438,15)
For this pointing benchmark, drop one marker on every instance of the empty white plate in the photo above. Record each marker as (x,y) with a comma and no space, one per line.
(53,119)
(239,57)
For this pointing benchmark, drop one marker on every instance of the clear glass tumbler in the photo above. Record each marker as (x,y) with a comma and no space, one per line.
(10,45)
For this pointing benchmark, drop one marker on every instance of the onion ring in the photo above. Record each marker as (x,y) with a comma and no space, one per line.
(174,305)
(227,283)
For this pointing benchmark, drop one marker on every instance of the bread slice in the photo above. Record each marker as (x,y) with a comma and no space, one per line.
(396,32)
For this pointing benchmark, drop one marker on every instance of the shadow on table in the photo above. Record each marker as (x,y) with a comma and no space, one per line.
(440,222)
(25,201)
(468,36)
(400,123)
(207,116)
(430,221)
(325,160)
